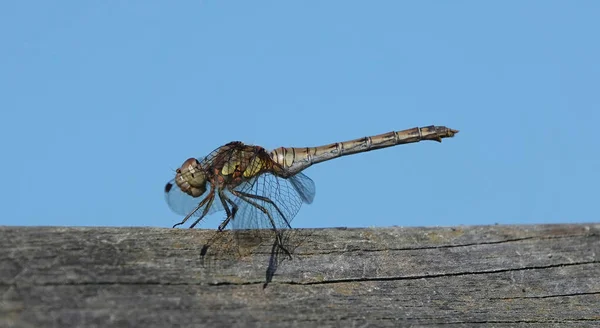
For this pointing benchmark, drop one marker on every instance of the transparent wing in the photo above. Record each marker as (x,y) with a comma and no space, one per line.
(304,186)
(182,203)
(278,196)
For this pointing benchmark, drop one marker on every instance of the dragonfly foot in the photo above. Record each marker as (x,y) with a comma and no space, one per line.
(223,224)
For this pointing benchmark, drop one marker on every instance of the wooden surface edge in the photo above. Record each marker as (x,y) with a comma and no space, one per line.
(501,276)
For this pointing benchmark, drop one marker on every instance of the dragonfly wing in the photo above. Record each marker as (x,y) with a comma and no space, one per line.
(278,196)
(182,203)
(304,186)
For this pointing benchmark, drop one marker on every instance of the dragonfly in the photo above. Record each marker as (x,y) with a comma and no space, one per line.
(260,189)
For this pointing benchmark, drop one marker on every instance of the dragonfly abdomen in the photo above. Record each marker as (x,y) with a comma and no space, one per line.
(296,159)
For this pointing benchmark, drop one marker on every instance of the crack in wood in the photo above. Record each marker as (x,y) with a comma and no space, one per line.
(505,241)
(571,320)
(545,296)
(324,282)
(442,275)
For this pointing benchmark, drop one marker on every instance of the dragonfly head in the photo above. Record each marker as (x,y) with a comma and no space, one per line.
(190,178)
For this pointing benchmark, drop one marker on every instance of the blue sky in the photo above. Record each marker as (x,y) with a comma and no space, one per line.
(102,100)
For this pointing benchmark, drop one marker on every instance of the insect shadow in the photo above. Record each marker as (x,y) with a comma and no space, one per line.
(255,247)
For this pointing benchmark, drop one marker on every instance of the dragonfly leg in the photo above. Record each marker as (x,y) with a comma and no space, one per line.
(203,212)
(243,196)
(230,213)
(202,203)
(234,209)
(265,199)
(211,198)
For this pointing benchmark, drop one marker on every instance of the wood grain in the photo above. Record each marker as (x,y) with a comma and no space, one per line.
(492,276)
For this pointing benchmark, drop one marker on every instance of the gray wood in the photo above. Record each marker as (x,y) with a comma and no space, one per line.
(496,276)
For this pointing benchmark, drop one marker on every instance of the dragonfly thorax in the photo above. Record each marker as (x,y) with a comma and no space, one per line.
(191,178)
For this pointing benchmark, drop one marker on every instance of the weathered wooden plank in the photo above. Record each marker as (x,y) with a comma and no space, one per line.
(500,276)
